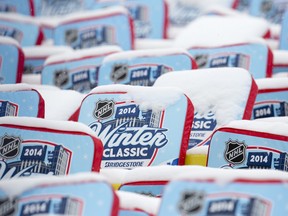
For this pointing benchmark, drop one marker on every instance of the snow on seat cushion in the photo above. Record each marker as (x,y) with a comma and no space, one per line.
(256,57)
(76,194)
(225,30)
(272,98)
(211,191)
(143,67)
(181,13)
(35,57)
(279,61)
(150,18)
(137,125)
(109,26)
(151,181)
(33,146)
(219,95)
(77,70)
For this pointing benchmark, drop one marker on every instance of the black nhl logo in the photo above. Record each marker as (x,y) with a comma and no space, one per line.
(61,77)
(191,202)
(8,207)
(119,72)
(104,109)
(9,146)
(201,60)
(235,152)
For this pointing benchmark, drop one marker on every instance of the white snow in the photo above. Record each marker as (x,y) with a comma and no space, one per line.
(9,40)
(141,44)
(48,22)
(211,31)
(203,3)
(221,90)
(272,83)
(60,105)
(14,187)
(53,22)
(14,87)
(226,176)
(280,75)
(133,201)
(95,14)
(20,18)
(277,128)
(79,54)
(31,78)
(275,30)
(147,97)
(47,124)
(155,173)
(273,44)
(127,55)
(283,119)
(44,51)
(280,57)
(114,176)
(220,10)
(202,150)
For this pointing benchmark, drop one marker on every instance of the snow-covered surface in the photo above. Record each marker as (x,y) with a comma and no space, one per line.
(79,54)
(155,173)
(272,83)
(95,14)
(280,75)
(61,104)
(47,124)
(226,176)
(220,10)
(273,44)
(141,44)
(114,176)
(275,30)
(211,31)
(277,128)
(280,57)
(14,187)
(147,97)
(133,201)
(44,87)
(202,150)
(16,17)
(9,40)
(283,119)
(31,78)
(14,87)
(220,90)
(44,51)
(203,3)
(48,22)
(126,55)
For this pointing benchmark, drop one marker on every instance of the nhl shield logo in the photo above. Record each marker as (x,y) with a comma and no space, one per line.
(191,202)
(119,72)
(9,146)
(104,109)
(235,152)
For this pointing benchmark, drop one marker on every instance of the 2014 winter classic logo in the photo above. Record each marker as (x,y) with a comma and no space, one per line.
(131,136)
